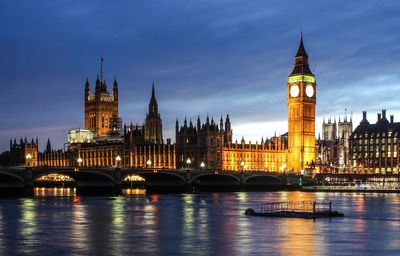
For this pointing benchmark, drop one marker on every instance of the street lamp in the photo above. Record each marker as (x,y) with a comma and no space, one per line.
(28,158)
(148,163)
(79,161)
(188,162)
(202,165)
(242,165)
(118,160)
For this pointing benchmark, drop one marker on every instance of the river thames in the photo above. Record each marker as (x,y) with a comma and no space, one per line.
(55,222)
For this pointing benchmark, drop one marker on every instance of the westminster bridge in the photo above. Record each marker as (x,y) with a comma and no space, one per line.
(111,180)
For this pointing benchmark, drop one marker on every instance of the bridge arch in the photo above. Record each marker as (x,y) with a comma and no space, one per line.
(160,179)
(217,181)
(263,180)
(11,180)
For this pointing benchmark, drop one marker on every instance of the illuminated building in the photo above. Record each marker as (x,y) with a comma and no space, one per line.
(201,143)
(101,107)
(211,144)
(301,98)
(375,147)
(22,153)
(333,150)
(269,155)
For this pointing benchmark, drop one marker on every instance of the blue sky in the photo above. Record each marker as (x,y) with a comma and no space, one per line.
(206,57)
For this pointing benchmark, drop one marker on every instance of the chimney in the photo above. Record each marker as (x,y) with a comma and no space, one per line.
(379,117)
(391,119)
(383,113)
(364,114)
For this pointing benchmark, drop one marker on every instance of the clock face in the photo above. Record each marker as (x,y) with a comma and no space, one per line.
(294,91)
(309,90)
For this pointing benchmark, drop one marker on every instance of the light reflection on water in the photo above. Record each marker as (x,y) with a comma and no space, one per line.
(200,224)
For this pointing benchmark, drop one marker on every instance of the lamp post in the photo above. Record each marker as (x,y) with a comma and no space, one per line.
(202,165)
(148,163)
(79,160)
(118,160)
(188,162)
(28,158)
(242,165)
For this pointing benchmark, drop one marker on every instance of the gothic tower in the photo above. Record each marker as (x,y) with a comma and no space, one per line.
(301,98)
(153,125)
(101,107)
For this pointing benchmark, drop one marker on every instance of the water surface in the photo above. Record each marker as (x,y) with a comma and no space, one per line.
(195,224)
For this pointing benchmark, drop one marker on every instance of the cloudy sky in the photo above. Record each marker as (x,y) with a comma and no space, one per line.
(206,57)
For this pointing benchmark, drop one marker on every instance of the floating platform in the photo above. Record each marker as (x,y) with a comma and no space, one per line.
(304,210)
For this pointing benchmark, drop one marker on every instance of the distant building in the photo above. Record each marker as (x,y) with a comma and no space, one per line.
(210,146)
(375,147)
(101,107)
(138,146)
(153,124)
(201,143)
(333,150)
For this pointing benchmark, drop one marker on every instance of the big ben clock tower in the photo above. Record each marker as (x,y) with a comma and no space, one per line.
(301,98)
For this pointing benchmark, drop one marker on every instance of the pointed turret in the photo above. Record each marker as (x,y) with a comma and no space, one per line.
(115,90)
(301,66)
(87,85)
(153,106)
(198,123)
(48,146)
(227,123)
(153,94)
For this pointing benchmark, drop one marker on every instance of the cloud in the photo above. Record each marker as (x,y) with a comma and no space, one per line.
(213,57)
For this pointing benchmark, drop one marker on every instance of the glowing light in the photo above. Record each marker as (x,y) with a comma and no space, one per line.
(55,177)
(301,78)
(133,178)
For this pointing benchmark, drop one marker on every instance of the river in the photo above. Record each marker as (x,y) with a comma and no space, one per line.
(56,222)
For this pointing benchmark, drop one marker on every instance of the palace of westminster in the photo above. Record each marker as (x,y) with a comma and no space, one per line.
(105,142)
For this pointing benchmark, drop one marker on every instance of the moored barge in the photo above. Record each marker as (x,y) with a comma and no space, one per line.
(303,209)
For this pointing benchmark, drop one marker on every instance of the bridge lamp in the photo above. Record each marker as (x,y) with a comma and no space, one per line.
(188,162)
(28,158)
(202,165)
(79,161)
(242,165)
(148,163)
(118,160)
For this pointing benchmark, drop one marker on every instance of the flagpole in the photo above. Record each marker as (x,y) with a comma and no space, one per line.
(101,68)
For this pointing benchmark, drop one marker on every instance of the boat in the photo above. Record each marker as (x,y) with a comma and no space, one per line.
(302,209)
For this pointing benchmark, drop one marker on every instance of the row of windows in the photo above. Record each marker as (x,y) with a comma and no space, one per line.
(383,134)
(371,148)
(376,155)
(376,141)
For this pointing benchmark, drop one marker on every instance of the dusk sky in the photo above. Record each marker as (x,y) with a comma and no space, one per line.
(206,57)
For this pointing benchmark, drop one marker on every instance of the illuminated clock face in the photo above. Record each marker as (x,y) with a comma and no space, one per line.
(309,90)
(294,91)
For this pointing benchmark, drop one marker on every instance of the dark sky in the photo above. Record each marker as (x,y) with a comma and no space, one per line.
(206,57)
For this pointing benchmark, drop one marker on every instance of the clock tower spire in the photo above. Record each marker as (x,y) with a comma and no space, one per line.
(301,99)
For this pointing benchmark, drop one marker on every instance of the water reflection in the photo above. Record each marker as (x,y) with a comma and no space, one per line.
(196,224)
(134,191)
(28,225)
(79,226)
(42,191)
